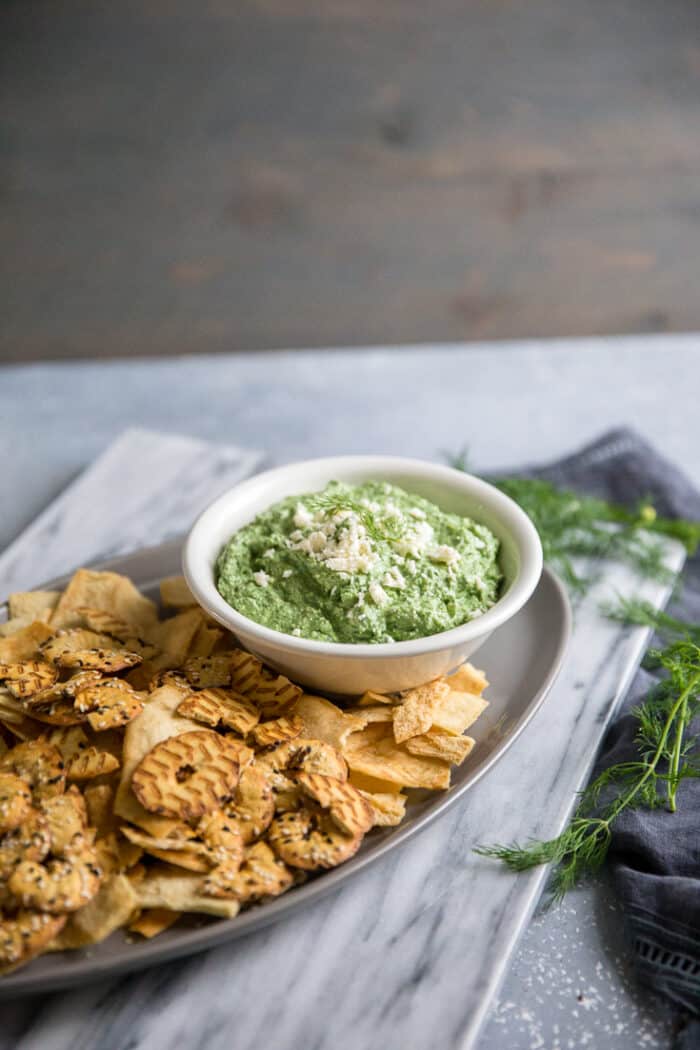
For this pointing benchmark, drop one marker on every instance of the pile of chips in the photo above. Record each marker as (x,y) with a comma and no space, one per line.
(150,768)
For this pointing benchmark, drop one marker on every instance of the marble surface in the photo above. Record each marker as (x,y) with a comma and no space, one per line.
(403,948)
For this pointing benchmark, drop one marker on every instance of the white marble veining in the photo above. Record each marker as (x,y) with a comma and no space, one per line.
(406,956)
(143,489)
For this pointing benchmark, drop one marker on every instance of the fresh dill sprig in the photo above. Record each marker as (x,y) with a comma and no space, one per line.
(379,527)
(640,613)
(652,781)
(572,525)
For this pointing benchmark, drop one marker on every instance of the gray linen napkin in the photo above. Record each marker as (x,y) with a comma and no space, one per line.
(655,855)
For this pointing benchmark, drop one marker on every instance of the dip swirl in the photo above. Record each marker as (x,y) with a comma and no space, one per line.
(360,563)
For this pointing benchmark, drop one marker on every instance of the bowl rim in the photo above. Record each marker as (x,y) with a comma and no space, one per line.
(515,522)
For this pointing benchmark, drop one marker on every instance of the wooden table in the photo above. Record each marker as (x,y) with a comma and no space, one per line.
(212,176)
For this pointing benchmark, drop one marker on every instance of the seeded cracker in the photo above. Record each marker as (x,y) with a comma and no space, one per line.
(187,775)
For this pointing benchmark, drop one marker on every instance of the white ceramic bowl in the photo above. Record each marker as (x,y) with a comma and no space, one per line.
(346,668)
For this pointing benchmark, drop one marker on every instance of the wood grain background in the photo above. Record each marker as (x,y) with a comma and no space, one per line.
(210,176)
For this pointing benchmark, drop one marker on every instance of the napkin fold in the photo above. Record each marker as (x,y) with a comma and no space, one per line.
(655,855)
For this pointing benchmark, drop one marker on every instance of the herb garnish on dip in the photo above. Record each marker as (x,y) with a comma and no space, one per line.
(360,563)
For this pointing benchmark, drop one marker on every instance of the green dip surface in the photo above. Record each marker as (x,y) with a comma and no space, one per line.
(360,563)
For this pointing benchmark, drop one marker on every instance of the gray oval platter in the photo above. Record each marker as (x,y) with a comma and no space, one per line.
(521,662)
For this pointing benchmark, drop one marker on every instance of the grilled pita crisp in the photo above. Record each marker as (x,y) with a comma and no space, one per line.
(157,722)
(324,721)
(108,591)
(166,887)
(32,603)
(375,752)
(447,746)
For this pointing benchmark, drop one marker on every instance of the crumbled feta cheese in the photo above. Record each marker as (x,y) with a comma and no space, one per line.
(390,510)
(297,632)
(394,578)
(287,573)
(269,553)
(416,512)
(261,578)
(411,566)
(378,594)
(345,549)
(303,518)
(317,541)
(443,553)
(416,540)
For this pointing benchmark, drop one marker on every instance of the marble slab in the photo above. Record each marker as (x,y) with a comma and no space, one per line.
(408,955)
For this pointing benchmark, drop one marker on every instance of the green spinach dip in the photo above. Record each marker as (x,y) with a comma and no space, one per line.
(360,563)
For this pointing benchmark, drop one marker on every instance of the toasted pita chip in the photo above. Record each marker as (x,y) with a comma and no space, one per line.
(324,721)
(436,744)
(32,603)
(165,887)
(370,698)
(375,752)
(468,679)
(183,839)
(17,724)
(99,800)
(209,672)
(69,740)
(90,764)
(414,714)
(117,854)
(379,713)
(274,694)
(175,594)
(181,859)
(104,590)
(157,722)
(457,711)
(137,874)
(277,731)
(27,677)
(18,623)
(153,921)
(221,707)
(105,623)
(388,809)
(24,644)
(161,826)
(130,853)
(205,640)
(11,710)
(113,906)
(174,637)
(245,670)
(373,785)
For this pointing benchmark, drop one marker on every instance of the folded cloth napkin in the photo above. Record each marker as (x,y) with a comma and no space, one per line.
(655,855)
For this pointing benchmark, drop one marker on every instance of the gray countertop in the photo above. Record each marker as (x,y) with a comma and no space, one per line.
(569,985)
